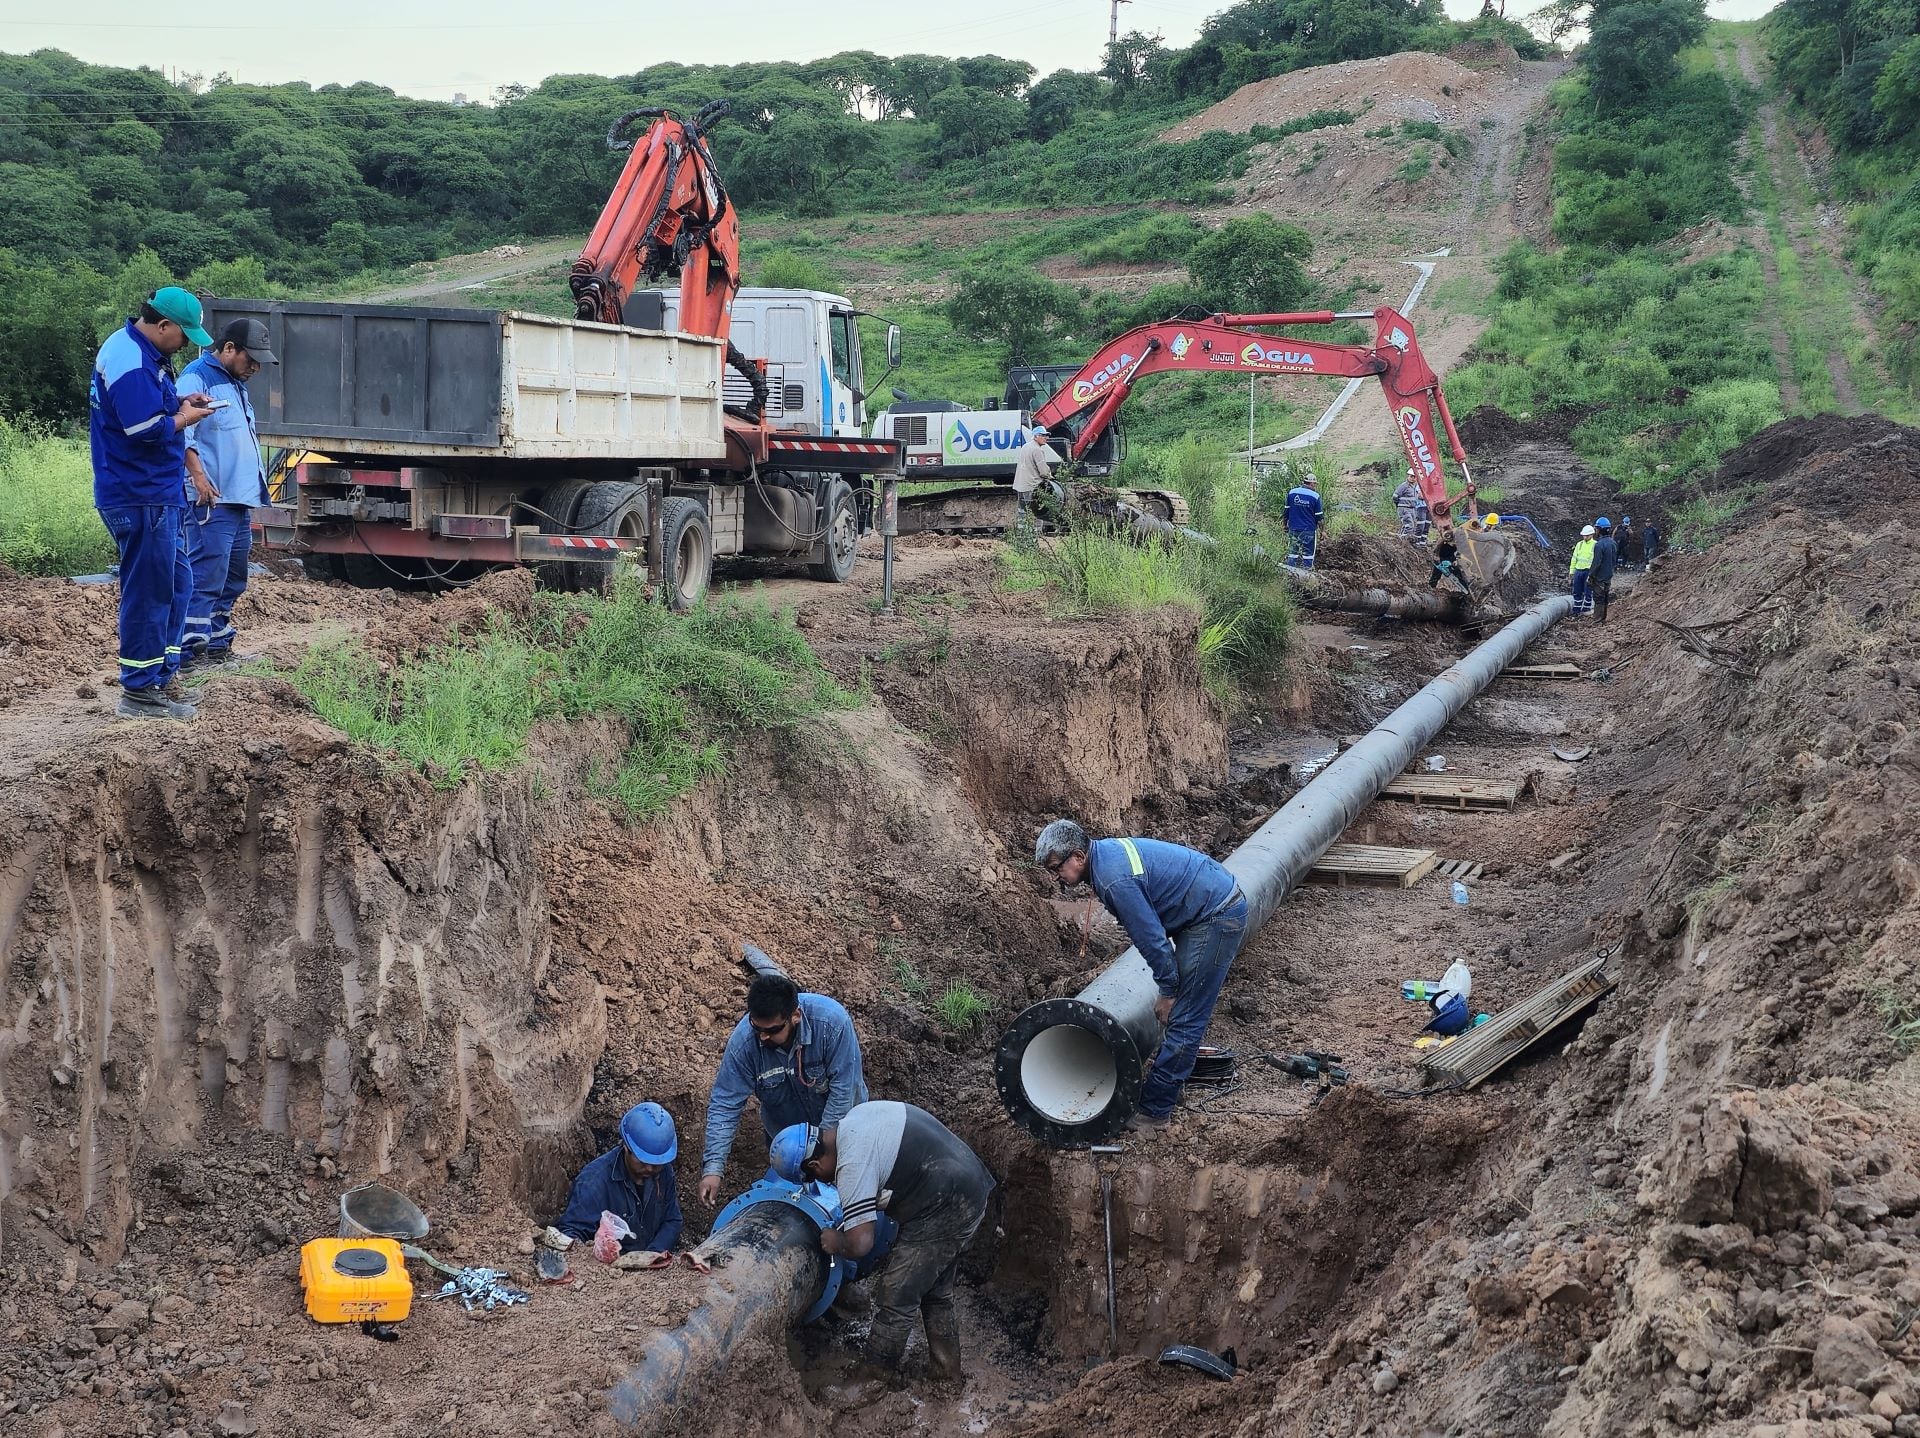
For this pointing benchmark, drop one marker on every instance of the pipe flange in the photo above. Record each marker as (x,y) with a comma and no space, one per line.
(819,1202)
(1128,1072)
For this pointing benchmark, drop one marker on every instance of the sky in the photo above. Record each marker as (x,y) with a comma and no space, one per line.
(435,49)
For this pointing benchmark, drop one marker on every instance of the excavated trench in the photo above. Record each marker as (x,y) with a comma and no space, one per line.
(244,972)
(248,965)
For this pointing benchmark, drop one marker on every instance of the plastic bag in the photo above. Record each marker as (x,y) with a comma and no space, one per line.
(606,1239)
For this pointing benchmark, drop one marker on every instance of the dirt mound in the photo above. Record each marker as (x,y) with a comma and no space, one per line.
(1828,465)
(1410,86)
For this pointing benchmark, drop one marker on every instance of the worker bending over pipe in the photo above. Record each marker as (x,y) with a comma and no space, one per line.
(1187,917)
(939,1196)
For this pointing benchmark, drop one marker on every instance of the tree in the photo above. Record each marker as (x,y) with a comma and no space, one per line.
(991,72)
(45,214)
(1014,308)
(913,80)
(1052,104)
(1633,47)
(1134,62)
(1252,264)
(800,163)
(1896,95)
(974,123)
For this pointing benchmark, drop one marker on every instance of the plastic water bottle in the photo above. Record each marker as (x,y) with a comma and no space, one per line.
(1459,893)
(1418,991)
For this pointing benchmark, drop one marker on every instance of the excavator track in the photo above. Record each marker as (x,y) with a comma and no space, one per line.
(987,510)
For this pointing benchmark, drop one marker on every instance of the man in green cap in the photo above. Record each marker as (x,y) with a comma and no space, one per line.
(138,425)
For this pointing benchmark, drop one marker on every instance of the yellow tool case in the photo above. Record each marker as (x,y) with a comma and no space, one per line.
(351,1280)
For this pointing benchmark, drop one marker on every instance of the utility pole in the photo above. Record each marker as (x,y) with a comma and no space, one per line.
(1113,22)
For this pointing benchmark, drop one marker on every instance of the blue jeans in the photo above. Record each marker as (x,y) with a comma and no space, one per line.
(155,584)
(1203,952)
(1300,546)
(219,541)
(1580,591)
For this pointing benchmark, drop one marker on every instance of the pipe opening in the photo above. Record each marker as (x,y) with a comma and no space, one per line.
(1068,1073)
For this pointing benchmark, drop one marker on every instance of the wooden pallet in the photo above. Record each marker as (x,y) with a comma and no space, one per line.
(1543,671)
(1371,866)
(1459,869)
(1480,1052)
(1453,791)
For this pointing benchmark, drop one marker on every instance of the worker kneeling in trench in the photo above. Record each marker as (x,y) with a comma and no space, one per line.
(939,1191)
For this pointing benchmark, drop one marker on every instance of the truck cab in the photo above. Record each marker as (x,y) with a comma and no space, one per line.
(811,342)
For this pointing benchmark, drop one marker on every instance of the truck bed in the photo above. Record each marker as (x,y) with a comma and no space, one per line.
(408,382)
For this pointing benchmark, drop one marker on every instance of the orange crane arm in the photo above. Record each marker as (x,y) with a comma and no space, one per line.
(668,215)
(1224,343)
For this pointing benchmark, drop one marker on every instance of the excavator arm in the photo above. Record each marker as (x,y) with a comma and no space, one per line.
(1085,406)
(669,214)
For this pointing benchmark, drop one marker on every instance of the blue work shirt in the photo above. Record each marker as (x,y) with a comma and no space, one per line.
(139,457)
(1606,554)
(815,1079)
(1156,889)
(1304,510)
(651,1209)
(228,440)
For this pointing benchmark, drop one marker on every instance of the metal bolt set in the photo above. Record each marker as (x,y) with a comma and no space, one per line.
(482,1288)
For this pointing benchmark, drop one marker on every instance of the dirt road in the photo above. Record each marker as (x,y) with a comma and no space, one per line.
(472,272)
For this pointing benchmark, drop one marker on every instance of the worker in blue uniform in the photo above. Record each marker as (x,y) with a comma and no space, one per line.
(1305,515)
(1187,917)
(137,423)
(634,1182)
(229,482)
(798,1054)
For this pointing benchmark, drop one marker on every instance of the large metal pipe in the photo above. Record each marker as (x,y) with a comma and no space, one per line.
(1069,1070)
(1448,608)
(768,1271)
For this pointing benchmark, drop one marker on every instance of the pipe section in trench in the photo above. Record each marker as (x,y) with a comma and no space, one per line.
(1070,1070)
(768,1271)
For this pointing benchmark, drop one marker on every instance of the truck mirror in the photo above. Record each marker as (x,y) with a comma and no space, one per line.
(893,346)
(992,403)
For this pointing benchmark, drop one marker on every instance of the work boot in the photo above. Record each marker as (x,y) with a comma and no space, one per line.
(1146,1123)
(943,1343)
(152,703)
(864,1384)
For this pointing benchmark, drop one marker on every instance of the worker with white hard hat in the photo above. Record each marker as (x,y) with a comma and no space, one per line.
(1581,571)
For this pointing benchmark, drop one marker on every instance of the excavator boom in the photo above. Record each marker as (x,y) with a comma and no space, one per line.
(1085,405)
(668,215)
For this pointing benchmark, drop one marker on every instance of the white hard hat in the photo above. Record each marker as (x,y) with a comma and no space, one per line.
(1587,532)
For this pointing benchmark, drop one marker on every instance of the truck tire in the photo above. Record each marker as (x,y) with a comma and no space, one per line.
(324,568)
(686,552)
(611,509)
(842,535)
(558,503)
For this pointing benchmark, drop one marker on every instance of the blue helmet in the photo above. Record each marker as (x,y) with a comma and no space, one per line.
(1603,524)
(647,1130)
(791,1147)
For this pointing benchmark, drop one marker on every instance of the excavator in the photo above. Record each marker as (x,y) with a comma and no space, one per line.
(1086,403)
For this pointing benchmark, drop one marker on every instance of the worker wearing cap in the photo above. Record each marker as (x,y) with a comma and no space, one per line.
(797,1053)
(1305,515)
(137,421)
(1579,570)
(229,483)
(633,1182)
(1033,466)
(1414,521)
(937,1192)
(1606,557)
(1187,917)
(1628,542)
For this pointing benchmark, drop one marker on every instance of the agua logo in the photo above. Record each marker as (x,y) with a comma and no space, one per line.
(1086,389)
(1412,424)
(1257,353)
(983,439)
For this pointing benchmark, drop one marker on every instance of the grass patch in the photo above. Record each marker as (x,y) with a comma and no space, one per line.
(685,685)
(48,525)
(1418,168)
(1157,240)
(1901,1010)
(960,1008)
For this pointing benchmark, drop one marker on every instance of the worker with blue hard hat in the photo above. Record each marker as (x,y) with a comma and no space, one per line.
(1606,558)
(938,1196)
(633,1182)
